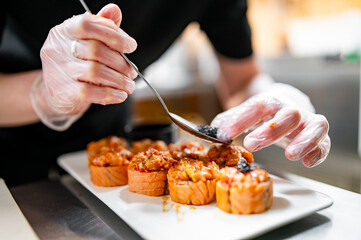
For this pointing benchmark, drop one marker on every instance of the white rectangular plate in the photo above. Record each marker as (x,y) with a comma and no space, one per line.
(160,218)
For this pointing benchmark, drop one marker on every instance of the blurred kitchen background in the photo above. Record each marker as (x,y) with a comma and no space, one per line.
(312,45)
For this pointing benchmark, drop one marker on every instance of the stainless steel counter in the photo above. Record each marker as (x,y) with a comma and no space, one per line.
(54,213)
(66,210)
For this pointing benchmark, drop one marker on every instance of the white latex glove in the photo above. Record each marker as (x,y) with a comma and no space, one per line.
(88,70)
(280,114)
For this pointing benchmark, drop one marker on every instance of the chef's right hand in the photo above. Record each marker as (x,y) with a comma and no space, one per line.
(81,65)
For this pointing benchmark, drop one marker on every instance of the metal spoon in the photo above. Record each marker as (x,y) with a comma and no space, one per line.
(179,121)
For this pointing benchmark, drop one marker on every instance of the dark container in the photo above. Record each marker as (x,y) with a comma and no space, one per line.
(165,132)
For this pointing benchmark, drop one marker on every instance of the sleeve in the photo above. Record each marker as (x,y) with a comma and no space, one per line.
(3,14)
(226,25)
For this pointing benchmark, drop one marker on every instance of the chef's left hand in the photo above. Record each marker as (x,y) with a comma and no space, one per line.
(281,114)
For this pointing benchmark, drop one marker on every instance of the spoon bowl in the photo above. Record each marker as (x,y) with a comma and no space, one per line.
(192,128)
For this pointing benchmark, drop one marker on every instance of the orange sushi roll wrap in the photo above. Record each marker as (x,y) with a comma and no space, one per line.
(244,193)
(109,176)
(110,169)
(108,161)
(147,172)
(193,182)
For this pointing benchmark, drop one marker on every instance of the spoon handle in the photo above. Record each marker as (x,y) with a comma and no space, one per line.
(142,77)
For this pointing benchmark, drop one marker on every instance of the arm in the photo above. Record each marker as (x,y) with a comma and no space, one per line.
(15,104)
(271,112)
(235,78)
(80,65)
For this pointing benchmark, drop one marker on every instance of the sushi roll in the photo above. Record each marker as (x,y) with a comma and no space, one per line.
(243,190)
(110,169)
(147,172)
(193,182)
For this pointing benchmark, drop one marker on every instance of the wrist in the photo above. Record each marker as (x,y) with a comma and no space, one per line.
(263,83)
(259,83)
(56,118)
(290,96)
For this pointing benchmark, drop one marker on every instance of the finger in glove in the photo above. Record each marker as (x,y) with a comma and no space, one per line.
(238,119)
(102,95)
(284,122)
(94,50)
(104,30)
(315,130)
(100,75)
(319,154)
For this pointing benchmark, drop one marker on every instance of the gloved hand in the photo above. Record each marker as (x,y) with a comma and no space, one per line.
(279,114)
(81,66)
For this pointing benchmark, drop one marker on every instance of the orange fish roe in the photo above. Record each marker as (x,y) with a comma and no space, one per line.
(152,160)
(228,155)
(145,144)
(192,150)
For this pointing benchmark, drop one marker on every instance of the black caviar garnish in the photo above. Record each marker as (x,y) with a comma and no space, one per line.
(243,166)
(208,130)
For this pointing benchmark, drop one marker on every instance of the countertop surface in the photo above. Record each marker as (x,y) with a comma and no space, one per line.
(13,224)
(65,209)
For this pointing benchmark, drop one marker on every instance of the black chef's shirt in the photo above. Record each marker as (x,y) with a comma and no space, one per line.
(27,152)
